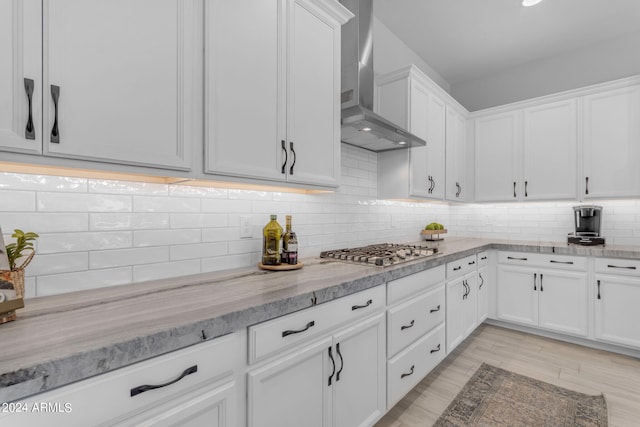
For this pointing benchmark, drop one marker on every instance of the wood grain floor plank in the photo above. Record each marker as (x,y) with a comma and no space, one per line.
(572,366)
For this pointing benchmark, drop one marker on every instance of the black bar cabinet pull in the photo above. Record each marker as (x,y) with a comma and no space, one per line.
(291,332)
(410,325)
(410,373)
(435,350)
(483,258)
(560,262)
(535,277)
(472,262)
(457,268)
(294,158)
(341,362)
(459,189)
(29,131)
(286,157)
(356,307)
(517,259)
(55,133)
(599,290)
(481,280)
(333,362)
(142,388)
(630,267)
(514,189)
(525,189)
(433,310)
(586,185)
(541,288)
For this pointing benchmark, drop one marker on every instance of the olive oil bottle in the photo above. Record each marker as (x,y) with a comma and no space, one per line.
(289,244)
(272,235)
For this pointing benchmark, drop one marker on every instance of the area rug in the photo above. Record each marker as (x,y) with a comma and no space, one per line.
(495,397)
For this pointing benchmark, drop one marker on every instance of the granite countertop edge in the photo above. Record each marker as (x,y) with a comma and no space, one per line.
(20,380)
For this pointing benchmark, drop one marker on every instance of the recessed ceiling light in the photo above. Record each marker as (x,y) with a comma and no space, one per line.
(365,129)
(527,3)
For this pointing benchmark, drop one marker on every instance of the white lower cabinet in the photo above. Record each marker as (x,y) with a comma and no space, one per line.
(338,380)
(549,298)
(195,386)
(616,293)
(462,309)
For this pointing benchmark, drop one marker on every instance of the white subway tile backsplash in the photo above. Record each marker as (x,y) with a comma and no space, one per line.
(17,201)
(124,257)
(99,232)
(69,202)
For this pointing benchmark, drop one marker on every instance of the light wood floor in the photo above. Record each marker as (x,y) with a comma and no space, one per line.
(567,365)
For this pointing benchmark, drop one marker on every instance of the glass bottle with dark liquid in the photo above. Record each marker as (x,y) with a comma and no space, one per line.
(272,234)
(289,244)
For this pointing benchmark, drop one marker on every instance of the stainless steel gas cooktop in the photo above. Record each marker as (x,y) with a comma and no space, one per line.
(382,255)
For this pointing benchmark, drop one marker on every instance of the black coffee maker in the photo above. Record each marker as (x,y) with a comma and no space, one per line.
(587,220)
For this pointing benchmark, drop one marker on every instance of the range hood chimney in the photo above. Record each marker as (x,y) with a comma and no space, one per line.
(360,125)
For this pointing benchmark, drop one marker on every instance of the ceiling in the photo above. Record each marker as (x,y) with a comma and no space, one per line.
(472,40)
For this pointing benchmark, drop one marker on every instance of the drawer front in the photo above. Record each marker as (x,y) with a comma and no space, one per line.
(411,320)
(410,366)
(108,396)
(461,267)
(483,259)
(402,288)
(266,339)
(576,263)
(626,267)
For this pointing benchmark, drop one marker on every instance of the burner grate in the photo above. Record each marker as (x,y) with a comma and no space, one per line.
(382,255)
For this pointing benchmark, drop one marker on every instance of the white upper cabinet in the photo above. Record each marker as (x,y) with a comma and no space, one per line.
(456,152)
(549,151)
(497,157)
(21,76)
(119,80)
(272,87)
(611,134)
(406,97)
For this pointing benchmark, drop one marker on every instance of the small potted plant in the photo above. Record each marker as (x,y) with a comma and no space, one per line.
(23,247)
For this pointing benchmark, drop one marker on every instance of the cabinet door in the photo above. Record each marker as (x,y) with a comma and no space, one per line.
(244,95)
(293,391)
(470,304)
(211,406)
(313,93)
(611,151)
(360,381)
(436,121)
(497,157)
(419,103)
(617,316)
(483,294)
(455,156)
(518,295)
(20,71)
(563,302)
(549,151)
(126,73)
(454,325)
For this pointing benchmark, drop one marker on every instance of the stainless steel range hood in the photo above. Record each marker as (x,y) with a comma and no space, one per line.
(360,125)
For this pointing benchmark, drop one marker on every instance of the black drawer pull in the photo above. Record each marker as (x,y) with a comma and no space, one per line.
(561,262)
(437,349)
(356,307)
(410,325)
(55,133)
(517,259)
(291,332)
(341,362)
(333,362)
(631,267)
(410,373)
(483,258)
(457,268)
(472,262)
(294,158)
(481,281)
(433,310)
(142,388)
(286,157)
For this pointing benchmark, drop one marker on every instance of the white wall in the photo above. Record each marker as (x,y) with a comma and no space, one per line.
(606,61)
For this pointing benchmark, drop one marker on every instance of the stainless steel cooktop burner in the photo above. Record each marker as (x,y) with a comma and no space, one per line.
(382,255)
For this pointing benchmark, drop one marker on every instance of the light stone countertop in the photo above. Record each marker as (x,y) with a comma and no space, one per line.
(60,339)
